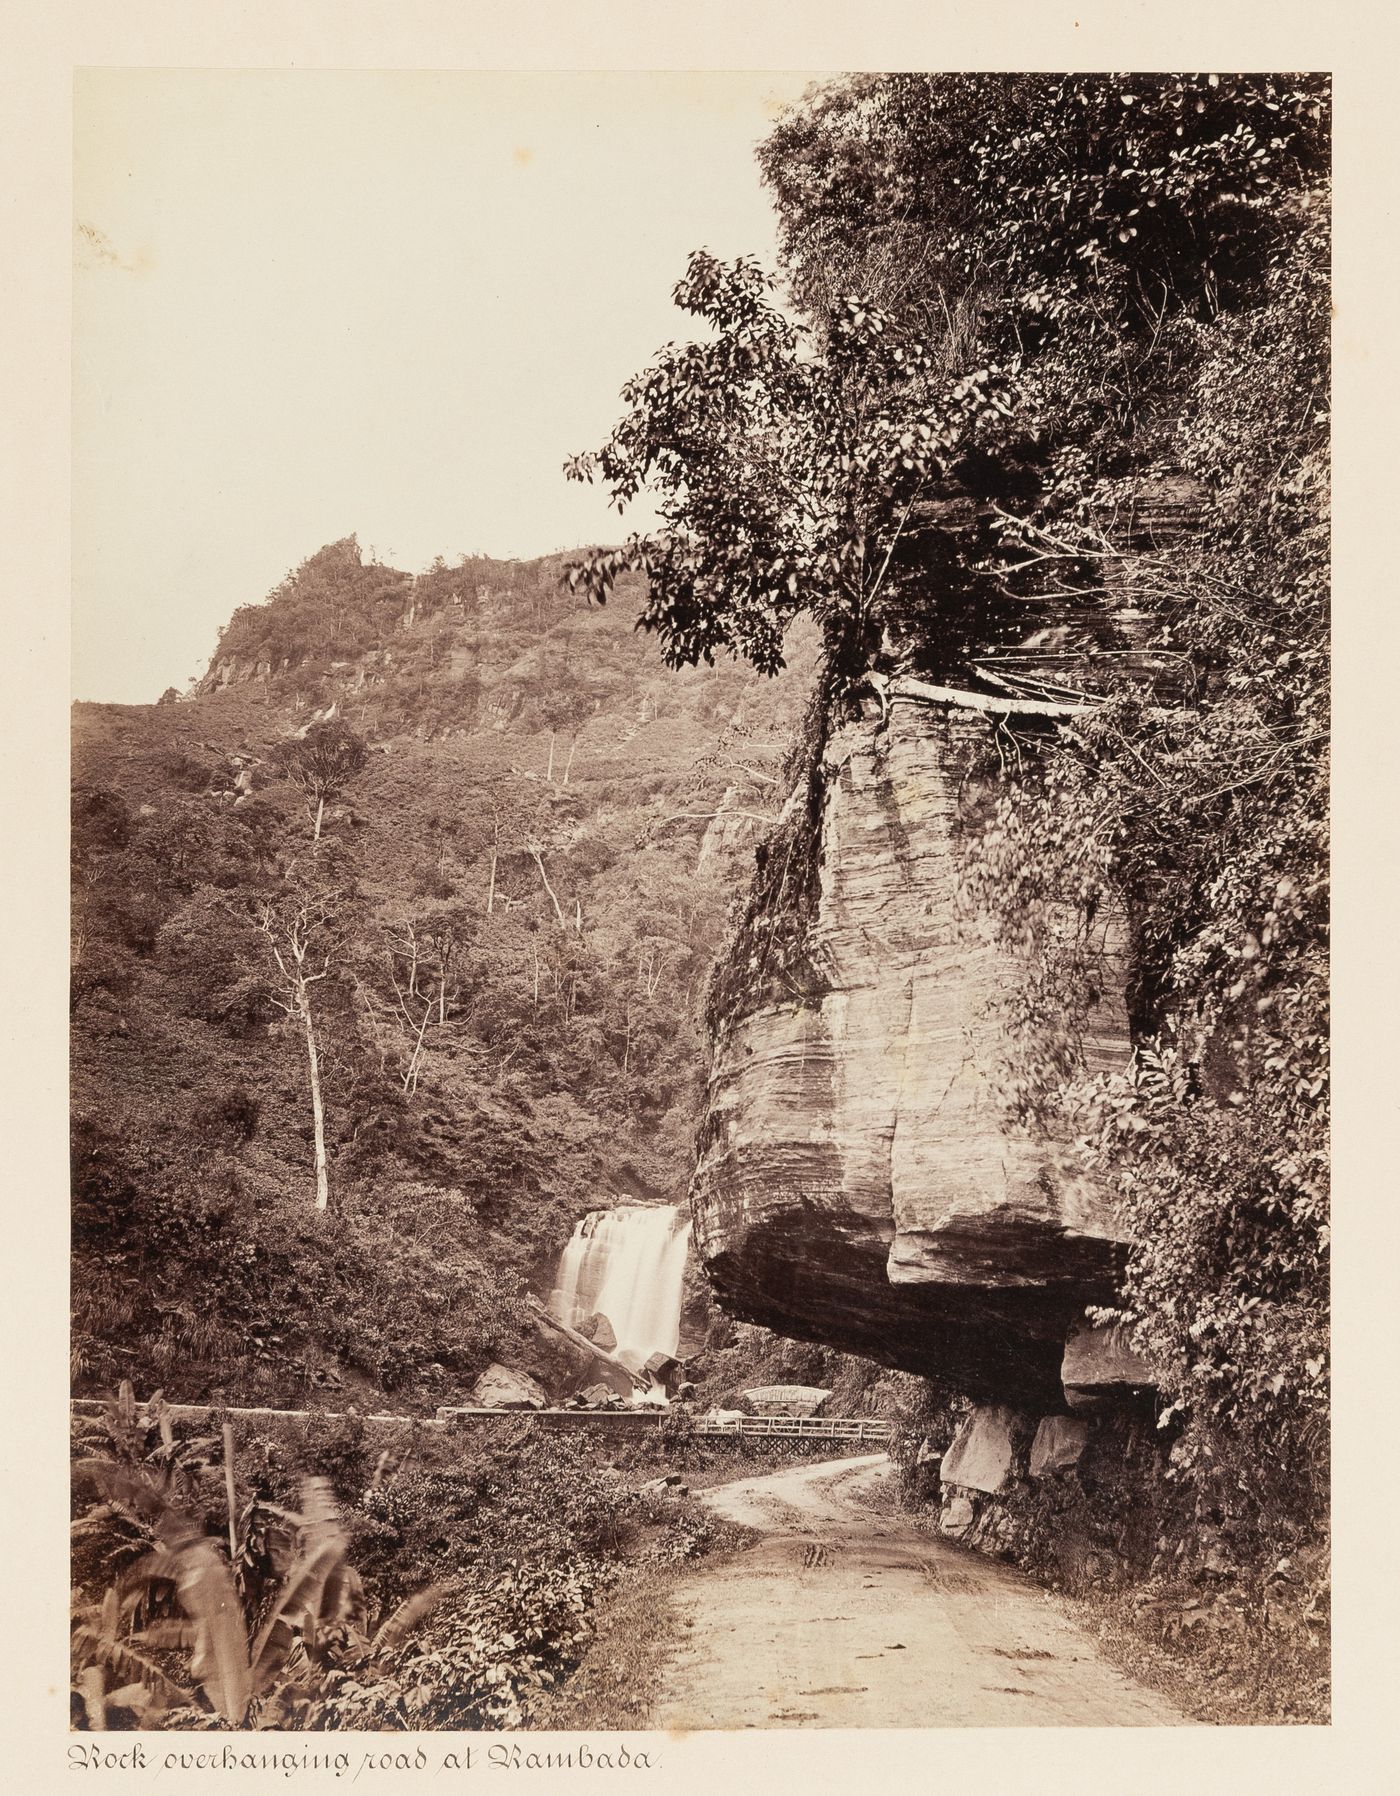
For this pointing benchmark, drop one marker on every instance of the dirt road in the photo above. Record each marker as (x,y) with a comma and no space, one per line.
(845,1617)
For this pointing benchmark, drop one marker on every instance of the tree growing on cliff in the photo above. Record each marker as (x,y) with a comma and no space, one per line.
(1135,267)
(786,464)
(1154,250)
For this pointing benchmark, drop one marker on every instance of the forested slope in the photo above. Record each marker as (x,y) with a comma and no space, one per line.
(506,922)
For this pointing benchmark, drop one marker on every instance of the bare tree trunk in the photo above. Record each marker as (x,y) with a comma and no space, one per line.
(495,856)
(318,1114)
(410,1078)
(295,937)
(230,1493)
(568,765)
(320,812)
(549,771)
(572,1334)
(535,854)
(922,691)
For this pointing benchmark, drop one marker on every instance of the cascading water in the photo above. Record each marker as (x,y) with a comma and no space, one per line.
(627,1264)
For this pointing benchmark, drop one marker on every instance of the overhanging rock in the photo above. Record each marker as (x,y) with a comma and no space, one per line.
(859,1180)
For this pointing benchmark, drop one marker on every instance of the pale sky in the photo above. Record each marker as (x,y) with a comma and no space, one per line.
(311,303)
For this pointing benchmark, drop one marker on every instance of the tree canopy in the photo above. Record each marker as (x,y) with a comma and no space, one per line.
(321,760)
(1002,282)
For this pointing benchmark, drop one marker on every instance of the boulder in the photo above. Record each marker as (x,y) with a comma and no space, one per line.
(1099,1367)
(1058,1445)
(598,1396)
(698,1312)
(600,1331)
(858,1181)
(614,1378)
(661,1366)
(956,1517)
(559,1363)
(507,1387)
(928,1454)
(785,1399)
(983,1451)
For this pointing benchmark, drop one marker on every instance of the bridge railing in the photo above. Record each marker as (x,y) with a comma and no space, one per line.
(817,1428)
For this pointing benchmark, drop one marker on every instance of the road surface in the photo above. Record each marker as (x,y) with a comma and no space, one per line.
(844,1617)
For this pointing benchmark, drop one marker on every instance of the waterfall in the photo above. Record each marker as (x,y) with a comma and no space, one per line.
(627,1264)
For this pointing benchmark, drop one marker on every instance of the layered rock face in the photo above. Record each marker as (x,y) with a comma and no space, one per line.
(860,1182)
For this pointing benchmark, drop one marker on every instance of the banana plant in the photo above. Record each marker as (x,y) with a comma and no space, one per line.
(317,1622)
(113,1672)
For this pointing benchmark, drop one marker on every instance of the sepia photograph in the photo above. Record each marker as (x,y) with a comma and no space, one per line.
(699,1005)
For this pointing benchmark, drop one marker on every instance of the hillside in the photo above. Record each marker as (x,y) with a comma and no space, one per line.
(508,921)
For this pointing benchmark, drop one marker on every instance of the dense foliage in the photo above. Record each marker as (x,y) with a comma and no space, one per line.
(1150,255)
(423,827)
(220,1583)
(787,465)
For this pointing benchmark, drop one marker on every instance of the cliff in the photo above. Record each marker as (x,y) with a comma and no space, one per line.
(860,1180)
